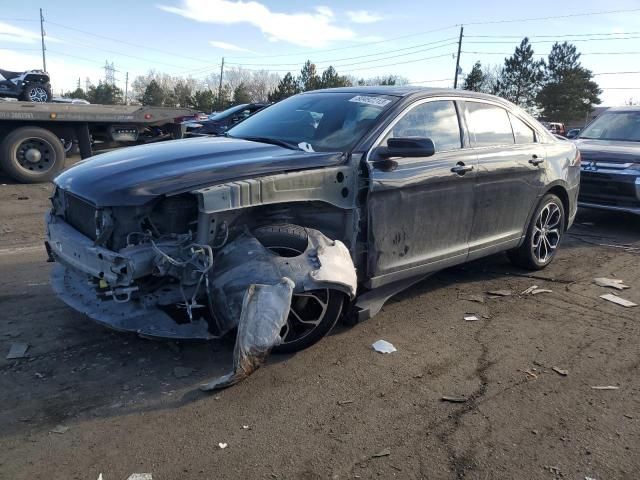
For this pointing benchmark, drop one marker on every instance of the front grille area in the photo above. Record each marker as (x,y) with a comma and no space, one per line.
(81,215)
(606,190)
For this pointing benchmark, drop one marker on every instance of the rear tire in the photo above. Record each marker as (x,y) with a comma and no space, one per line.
(32,155)
(36,92)
(302,329)
(544,234)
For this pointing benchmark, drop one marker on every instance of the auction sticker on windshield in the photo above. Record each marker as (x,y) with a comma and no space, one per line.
(377,101)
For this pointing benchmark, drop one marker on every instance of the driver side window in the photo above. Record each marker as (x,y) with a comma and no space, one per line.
(435,120)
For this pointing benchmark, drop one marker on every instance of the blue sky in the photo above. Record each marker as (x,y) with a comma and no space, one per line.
(189,37)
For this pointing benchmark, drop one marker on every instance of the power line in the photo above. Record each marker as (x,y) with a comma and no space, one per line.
(553,36)
(92,60)
(544,54)
(104,37)
(18,20)
(554,17)
(555,41)
(450,39)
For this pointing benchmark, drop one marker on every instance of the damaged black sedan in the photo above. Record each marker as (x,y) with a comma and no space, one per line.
(318,206)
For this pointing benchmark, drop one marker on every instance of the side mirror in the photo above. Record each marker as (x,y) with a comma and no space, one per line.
(406,147)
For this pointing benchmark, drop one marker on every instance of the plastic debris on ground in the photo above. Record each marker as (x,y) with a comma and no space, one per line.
(500,293)
(529,290)
(605,387)
(618,300)
(265,310)
(385,452)
(17,350)
(560,371)
(610,282)
(382,346)
(60,429)
(222,445)
(469,317)
(472,298)
(454,398)
(140,476)
(540,290)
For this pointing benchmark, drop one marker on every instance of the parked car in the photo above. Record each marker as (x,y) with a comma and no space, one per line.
(29,86)
(352,192)
(610,148)
(573,133)
(219,123)
(557,128)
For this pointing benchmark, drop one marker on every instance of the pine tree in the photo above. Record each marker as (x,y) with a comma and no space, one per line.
(203,100)
(241,94)
(309,79)
(331,79)
(521,78)
(287,87)
(105,94)
(153,95)
(569,91)
(475,81)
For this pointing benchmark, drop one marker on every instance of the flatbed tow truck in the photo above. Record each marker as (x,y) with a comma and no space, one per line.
(32,134)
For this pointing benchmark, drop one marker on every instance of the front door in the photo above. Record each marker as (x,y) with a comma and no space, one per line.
(509,178)
(420,213)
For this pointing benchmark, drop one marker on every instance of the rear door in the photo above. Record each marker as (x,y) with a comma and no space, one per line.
(420,213)
(509,179)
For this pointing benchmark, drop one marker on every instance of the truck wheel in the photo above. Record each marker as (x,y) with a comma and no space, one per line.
(36,92)
(31,155)
(314,313)
(543,235)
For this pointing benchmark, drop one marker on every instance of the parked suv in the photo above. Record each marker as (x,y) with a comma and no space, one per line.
(610,147)
(351,193)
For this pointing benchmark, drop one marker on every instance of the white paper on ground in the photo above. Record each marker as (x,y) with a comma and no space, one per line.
(618,300)
(382,346)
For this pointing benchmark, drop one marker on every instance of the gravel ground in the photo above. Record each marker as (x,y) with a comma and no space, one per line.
(122,404)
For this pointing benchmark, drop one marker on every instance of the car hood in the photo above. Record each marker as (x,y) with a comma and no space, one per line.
(612,151)
(135,175)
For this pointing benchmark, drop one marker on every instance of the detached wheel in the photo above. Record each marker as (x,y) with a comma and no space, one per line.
(32,155)
(314,313)
(37,92)
(543,235)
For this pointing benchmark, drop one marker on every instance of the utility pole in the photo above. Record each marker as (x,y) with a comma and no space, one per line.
(44,60)
(455,77)
(126,89)
(220,85)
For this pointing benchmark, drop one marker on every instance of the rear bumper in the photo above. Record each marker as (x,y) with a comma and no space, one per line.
(615,190)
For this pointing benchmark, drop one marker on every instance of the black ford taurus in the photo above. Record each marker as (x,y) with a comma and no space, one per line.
(350,193)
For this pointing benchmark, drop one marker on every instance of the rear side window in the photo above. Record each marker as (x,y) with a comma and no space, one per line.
(523,132)
(435,120)
(489,124)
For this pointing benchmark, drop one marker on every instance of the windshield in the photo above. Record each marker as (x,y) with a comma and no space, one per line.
(614,126)
(320,122)
(229,111)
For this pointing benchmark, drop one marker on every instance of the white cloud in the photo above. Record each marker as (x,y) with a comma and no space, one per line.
(228,46)
(307,29)
(12,34)
(363,16)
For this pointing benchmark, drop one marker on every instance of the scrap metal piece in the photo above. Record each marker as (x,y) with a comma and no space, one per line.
(265,309)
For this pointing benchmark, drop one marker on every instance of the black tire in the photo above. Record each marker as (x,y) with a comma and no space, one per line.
(544,234)
(36,92)
(290,241)
(32,155)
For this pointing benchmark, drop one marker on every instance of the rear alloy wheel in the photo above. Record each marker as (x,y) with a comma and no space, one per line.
(543,235)
(313,313)
(37,92)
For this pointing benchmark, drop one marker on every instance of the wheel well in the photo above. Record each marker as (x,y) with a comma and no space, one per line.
(562,194)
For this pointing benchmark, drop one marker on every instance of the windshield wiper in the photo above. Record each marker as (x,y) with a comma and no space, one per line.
(272,141)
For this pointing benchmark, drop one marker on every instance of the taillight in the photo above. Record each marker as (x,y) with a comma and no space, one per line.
(577,159)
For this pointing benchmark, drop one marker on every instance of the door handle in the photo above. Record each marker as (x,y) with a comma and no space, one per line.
(461,168)
(536,160)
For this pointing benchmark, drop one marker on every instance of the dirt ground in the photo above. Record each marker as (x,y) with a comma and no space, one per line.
(337,410)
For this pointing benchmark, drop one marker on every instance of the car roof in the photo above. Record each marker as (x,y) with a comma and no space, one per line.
(409,90)
(631,108)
